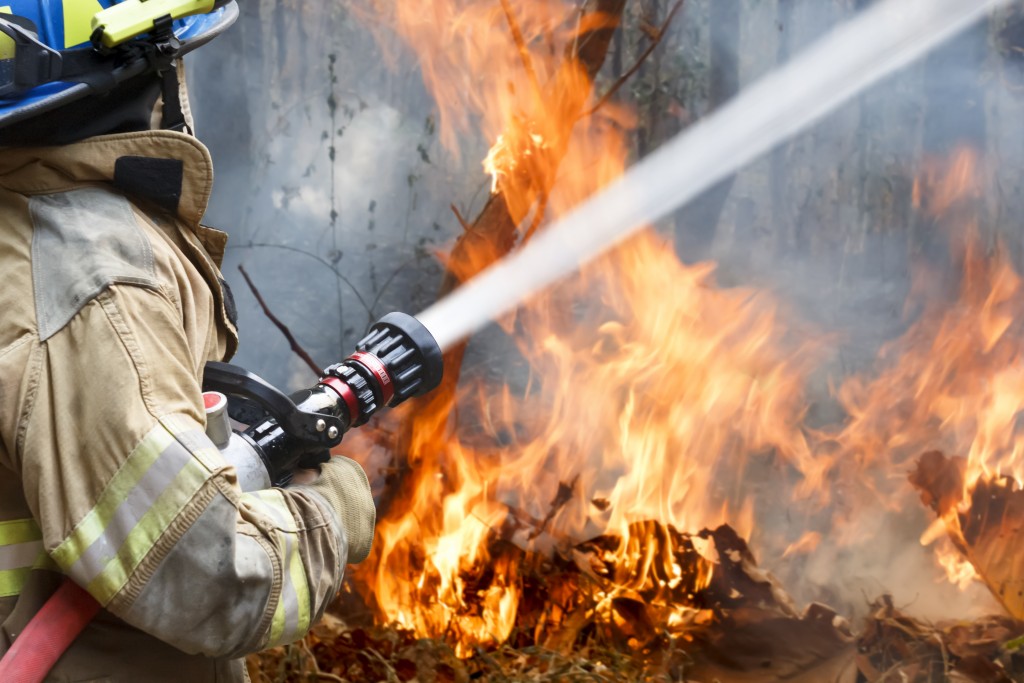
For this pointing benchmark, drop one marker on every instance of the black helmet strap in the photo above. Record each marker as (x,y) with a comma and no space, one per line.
(173,115)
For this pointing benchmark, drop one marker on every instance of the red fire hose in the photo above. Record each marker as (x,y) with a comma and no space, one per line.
(48,635)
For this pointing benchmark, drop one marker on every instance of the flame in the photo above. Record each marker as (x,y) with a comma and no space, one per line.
(959,570)
(804,545)
(953,382)
(650,390)
(644,408)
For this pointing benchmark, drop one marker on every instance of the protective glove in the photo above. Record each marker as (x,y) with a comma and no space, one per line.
(343,486)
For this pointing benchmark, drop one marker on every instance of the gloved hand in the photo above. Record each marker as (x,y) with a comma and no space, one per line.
(343,485)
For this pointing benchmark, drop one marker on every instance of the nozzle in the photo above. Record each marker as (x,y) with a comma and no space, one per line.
(396,360)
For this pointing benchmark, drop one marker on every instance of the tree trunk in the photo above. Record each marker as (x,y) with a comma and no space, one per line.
(698,222)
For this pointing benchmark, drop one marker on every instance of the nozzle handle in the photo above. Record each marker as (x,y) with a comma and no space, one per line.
(314,428)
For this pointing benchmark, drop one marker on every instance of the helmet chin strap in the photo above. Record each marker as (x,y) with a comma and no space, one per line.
(172,116)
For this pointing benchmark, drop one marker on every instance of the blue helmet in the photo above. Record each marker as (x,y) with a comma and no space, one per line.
(62,51)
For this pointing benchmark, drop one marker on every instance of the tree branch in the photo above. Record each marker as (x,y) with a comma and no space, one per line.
(639,62)
(296,347)
(318,259)
(462,221)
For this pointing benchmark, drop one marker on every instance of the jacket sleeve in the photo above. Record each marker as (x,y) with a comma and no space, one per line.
(138,507)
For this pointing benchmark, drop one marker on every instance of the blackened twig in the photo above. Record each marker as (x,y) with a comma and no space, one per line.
(296,347)
(562,498)
(639,62)
(466,227)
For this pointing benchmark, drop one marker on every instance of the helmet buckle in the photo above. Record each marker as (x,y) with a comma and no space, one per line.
(166,43)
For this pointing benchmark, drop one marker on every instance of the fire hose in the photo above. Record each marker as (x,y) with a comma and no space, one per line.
(397,360)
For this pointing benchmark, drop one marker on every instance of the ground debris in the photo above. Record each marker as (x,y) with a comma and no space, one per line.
(896,647)
(706,612)
(814,648)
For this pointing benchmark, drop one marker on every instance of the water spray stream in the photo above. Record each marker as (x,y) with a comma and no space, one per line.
(857,54)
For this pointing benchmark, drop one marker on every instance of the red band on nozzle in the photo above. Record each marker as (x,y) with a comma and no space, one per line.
(377,367)
(347,395)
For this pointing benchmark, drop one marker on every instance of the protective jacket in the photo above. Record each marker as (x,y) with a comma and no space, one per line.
(111,303)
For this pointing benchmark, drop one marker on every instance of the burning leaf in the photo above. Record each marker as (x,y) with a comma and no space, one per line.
(986,525)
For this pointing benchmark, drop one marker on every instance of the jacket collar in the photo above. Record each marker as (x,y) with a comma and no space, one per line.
(41,170)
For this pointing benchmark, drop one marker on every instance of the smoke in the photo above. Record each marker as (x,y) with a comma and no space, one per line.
(329,181)
(336,193)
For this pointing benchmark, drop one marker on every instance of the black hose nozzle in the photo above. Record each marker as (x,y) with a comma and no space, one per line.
(396,360)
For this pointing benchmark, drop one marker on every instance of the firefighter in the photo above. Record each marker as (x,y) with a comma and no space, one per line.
(112,301)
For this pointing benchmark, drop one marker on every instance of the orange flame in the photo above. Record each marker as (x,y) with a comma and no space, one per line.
(649,389)
(953,382)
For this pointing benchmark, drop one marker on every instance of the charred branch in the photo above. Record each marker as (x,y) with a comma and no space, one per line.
(624,78)
(292,341)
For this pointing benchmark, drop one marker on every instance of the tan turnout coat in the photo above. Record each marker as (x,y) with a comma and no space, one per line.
(110,304)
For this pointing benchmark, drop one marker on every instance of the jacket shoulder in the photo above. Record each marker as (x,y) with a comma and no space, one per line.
(83,241)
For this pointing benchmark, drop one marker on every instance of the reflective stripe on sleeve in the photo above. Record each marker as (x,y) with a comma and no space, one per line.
(21,551)
(292,615)
(150,489)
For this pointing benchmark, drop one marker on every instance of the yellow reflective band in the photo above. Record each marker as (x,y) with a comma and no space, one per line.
(78,16)
(145,534)
(17,531)
(12,581)
(293,611)
(24,533)
(93,524)
(152,487)
(292,614)
(6,9)
(132,18)
(298,579)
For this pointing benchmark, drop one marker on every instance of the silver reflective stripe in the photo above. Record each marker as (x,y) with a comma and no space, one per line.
(150,489)
(21,549)
(171,461)
(20,555)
